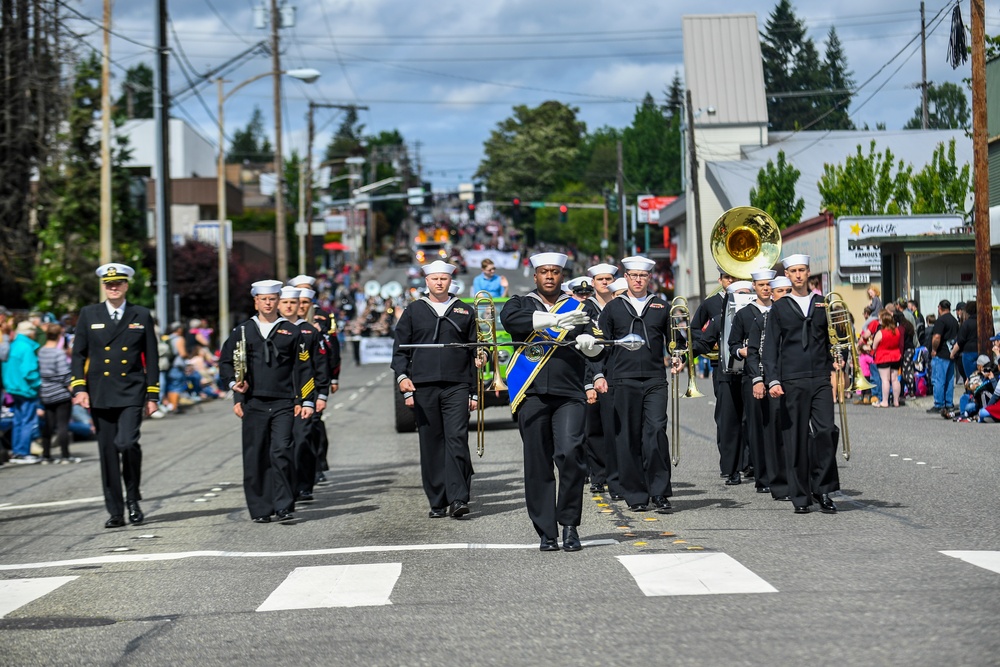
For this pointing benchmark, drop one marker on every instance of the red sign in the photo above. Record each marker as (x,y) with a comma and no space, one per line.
(656,203)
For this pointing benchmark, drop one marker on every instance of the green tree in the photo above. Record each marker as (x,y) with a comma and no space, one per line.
(251,144)
(674,96)
(787,57)
(651,150)
(941,186)
(867,185)
(531,153)
(598,159)
(583,229)
(136,100)
(948,109)
(775,192)
(346,142)
(69,218)
(836,76)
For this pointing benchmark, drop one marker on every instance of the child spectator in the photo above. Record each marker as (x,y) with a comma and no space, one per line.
(866,361)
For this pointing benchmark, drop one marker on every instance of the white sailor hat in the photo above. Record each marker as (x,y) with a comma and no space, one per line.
(763,274)
(454,287)
(289,293)
(564,286)
(438,266)
(581,284)
(618,285)
(306,293)
(795,260)
(265,287)
(114,271)
(601,269)
(781,281)
(302,279)
(638,263)
(738,285)
(548,259)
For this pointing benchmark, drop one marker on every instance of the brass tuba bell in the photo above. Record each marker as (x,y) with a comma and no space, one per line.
(745,239)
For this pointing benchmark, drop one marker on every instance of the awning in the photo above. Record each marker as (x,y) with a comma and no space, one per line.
(334,245)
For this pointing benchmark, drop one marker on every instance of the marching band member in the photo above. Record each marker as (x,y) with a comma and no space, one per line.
(741,332)
(117,377)
(640,389)
(601,415)
(547,394)
(797,364)
(278,389)
(438,383)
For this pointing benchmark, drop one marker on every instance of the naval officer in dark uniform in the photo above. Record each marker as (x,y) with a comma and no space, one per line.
(797,366)
(639,378)
(438,384)
(116,375)
(278,388)
(550,406)
(708,310)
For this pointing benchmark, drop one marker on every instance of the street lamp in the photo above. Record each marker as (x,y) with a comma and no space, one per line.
(308,76)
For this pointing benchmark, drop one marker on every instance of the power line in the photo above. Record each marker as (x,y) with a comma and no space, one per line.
(224,22)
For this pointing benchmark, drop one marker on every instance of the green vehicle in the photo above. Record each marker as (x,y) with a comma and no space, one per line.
(405,417)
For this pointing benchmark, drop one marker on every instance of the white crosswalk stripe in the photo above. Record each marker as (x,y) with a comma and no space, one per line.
(15,593)
(335,586)
(693,574)
(989,560)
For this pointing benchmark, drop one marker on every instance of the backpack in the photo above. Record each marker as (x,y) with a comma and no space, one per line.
(165,353)
(921,384)
(921,359)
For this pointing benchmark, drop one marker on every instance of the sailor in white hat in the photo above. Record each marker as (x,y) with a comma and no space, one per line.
(116,375)
(797,363)
(601,415)
(438,384)
(640,389)
(278,387)
(780,286)
(618,286)
(548,395)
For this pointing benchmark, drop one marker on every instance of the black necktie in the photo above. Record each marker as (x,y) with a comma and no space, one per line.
(114,316)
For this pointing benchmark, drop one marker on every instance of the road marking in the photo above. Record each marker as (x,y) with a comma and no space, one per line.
(15,593)
(989,560)
(693,574)
(338,406)
(371,383)
(181,555)
(352,396)
(55,503)
(368,585)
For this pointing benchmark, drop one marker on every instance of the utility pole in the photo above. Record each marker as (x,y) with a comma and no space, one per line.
(280,231)
(105,235)
(984,301)
(923,69)
(220,179)
(695,195)
(161,119)
(620,193)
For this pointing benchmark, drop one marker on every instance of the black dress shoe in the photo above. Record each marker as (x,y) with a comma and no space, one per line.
(304,495)
(617,496)
(135,514)
(801,510)
(639,507)
(438,512)
(115,522)
(261,519)
(548,544)
(284,515)
(763,489)
(734,480)
(748,472)
(320,477)
(788,498)
(826,505)
(661,503)
(597,488)
(571,540)
(932,410)
(459,508)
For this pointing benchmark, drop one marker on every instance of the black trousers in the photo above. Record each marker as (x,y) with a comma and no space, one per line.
(641,439)
(442,415)
(606,402)
(56,420)
(753,420)
(810,438)
(552,432)
(121,456)
(322,443)
(594,445)
(729,406)
(774,449)
(268,455)
(304,443)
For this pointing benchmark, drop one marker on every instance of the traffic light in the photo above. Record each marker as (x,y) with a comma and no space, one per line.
(516,212)
(563,213)
(428,195)
(472,211)
(611,202)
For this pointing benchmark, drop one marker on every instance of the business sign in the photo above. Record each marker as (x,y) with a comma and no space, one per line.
(856,255)
(650,207)
(376,350)
(335,223)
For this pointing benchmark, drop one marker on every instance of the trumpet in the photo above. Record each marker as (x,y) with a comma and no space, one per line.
(680,319)
(240,357)
(841,333)
(486,332)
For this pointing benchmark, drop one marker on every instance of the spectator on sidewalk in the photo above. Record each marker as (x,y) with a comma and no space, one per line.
(888,348)
(489,281)
(966,348)
(21,380)
(54,368)
(942,367)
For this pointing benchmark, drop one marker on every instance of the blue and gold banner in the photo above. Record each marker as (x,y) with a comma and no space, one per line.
(528,360)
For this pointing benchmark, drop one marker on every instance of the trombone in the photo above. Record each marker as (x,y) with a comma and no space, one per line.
(680,318)
(841,333)
(486,332)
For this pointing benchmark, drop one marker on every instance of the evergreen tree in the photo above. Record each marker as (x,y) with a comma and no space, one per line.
(675,96)
(836,76)
(136,100)
(251,143)
(948,109)
(346,142)
(783,37)
(651,150)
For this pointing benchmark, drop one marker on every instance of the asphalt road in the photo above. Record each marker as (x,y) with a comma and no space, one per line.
(730,577)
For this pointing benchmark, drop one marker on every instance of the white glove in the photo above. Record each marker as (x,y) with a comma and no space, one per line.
(540,320)
(587,344)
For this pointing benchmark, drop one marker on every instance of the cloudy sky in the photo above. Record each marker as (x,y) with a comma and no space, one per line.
(445,72)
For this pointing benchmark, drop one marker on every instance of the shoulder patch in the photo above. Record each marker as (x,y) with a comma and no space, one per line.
(656,305)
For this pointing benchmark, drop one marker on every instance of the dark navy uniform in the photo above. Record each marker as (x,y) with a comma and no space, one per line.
(117,364)
(327,326)
(443,378)
(797,357)
(640,399)
(304,430)
(744,321)
(280,375)
(600,443)
(551,421)
(708,310)
(774,450)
